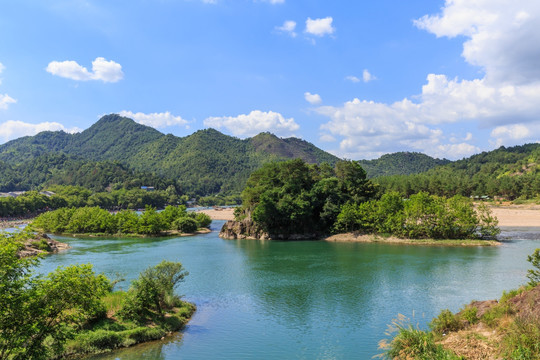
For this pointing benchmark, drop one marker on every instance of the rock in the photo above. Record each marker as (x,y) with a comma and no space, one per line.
(247,229)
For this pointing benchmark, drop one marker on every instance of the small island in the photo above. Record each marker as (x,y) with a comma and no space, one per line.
(94,221)
(296,201)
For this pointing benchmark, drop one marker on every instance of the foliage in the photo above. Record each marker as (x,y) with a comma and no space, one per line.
(534,274)
(400,163)
(153,291)
(34,308)
(185,225)
(420,216)
(445,322)
(510,173)
(522,341)
(295,197)
(93,220)
(410,342)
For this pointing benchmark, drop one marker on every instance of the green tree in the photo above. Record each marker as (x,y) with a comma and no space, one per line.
(151,222)
(37,314)
(534,274)
(153,291)
(185,225)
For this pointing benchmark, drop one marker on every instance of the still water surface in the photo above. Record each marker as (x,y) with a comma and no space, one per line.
(304,300)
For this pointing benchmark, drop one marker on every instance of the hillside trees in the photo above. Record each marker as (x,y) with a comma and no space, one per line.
(295,197)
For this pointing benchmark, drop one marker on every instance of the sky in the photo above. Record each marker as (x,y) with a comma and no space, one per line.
(356,78)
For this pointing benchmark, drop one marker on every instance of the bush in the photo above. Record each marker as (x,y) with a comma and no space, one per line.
(153,292)
(413,343)
(534,274)
(445,322)
(470,314)
(203,220)
(185,225)
(99,340)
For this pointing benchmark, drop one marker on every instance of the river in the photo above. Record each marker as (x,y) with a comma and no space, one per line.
(304,300)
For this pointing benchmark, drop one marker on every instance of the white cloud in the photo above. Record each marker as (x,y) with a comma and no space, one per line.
(5,100)
(352,78)
(2,67)
(367,77)
(312,98)
(13,129)
(106,71)
(275,1)
(254,123)
(156,120)
(320,27)
(515,134)
(501,37)
(288,27)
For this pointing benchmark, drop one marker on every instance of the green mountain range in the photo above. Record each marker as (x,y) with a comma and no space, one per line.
(118,152)
(205,162)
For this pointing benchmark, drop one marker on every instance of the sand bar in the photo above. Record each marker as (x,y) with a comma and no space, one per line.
(517,215)
(221,214)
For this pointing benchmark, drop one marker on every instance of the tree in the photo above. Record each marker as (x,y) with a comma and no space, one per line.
(34,308)
(153,291)
(534,274)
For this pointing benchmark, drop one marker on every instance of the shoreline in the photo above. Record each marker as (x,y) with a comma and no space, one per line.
(373,238)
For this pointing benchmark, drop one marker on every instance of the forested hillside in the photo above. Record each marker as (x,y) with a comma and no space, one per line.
(206,162)
(400,163)
(510,173)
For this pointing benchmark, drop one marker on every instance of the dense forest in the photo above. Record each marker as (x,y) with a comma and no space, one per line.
(290,199)
(511,173)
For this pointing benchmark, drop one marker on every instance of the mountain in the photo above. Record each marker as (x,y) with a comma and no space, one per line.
(400,163)
(205,162)
(507,172)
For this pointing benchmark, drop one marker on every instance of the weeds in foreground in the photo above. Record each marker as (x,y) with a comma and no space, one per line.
(409,342)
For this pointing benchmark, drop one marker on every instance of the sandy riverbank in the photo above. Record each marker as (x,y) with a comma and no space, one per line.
(508,215)
(222,214)
(517,215)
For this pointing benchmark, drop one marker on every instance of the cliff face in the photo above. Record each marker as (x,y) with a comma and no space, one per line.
(247,229)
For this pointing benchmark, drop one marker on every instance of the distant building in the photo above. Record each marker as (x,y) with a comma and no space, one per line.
(147,188)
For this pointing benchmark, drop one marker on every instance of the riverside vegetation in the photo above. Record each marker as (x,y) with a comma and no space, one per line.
(96,221)
(293,199)
(75,311)
(504,329)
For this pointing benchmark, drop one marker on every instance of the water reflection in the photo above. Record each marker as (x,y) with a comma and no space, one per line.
(317,300)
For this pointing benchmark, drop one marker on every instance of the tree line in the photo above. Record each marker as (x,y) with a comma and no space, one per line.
(95,220)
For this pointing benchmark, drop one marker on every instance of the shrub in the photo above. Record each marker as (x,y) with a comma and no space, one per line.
(522,339)
(203,220)
(99,340)
(153,291)
(445,322)
(470,314)
(185,225)
(534,274)
(413,343)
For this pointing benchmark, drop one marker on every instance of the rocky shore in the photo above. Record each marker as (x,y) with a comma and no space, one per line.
(42,244)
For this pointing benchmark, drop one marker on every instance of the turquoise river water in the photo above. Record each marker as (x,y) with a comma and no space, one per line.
(304,300)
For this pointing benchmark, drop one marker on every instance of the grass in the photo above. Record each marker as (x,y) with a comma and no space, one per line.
(110,333)
(413,343)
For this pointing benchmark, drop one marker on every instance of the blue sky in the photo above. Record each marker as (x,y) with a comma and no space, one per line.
(356,78)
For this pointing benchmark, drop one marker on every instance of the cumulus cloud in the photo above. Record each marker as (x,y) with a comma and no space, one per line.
(13,129)
(254,123)
(5,100)
(503,36)
(288,27)
(504,40)
(352,78)
(367,77)
(320,27)
(106,71)
(312,98)
(156,120)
